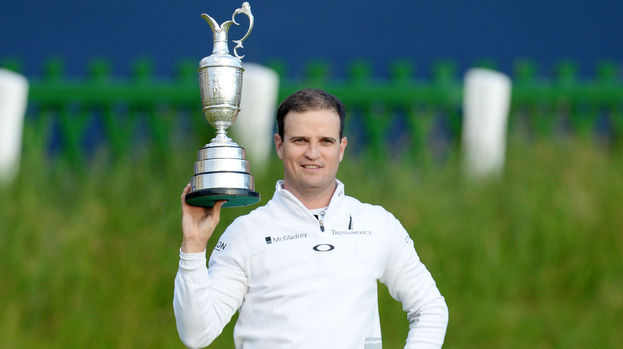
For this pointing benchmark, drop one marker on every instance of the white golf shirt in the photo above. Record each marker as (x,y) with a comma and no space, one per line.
(299,281)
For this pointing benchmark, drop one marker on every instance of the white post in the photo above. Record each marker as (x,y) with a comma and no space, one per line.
(486,103)
(13,99)
(253,127)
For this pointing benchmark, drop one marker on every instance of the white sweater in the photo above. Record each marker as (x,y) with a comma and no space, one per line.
(302,282)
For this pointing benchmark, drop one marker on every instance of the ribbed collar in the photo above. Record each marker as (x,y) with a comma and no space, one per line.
(285,198)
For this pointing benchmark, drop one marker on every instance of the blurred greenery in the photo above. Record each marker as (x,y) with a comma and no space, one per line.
(529,260)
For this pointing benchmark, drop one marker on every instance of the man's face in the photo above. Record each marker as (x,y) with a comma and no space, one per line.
(311,150)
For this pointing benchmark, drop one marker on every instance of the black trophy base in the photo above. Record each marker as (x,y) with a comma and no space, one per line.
(235,197)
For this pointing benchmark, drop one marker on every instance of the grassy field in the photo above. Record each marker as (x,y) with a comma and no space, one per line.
(531,260)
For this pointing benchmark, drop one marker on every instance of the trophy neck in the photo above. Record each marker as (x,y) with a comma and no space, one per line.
(221,137)
(220,43)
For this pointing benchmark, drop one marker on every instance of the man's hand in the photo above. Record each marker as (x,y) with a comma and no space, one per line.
(198,224)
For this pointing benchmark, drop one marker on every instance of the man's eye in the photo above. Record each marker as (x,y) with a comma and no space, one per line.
(327,141)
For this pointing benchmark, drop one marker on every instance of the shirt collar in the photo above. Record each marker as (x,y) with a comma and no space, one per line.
(285,197)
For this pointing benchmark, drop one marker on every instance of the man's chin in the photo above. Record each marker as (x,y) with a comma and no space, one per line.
(318,185)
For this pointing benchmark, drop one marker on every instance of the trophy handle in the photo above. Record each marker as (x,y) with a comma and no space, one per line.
(245,9)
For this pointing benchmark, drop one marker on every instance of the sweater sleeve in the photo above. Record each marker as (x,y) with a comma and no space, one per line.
(204,298)
(411,283)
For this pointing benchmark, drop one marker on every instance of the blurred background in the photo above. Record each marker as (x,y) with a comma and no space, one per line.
(527,250)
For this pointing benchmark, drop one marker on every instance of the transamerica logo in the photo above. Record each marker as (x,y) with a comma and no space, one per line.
(351,232)
(286,237)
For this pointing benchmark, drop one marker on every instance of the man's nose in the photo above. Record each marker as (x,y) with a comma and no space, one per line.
(312,151)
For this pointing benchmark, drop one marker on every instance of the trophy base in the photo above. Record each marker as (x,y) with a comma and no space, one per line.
(235,197)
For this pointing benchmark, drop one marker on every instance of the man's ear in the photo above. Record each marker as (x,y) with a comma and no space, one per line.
(279,145)
(343,143)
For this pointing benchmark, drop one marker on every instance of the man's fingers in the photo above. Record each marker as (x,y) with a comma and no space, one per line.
(216,209)
(217,206)
(184,192)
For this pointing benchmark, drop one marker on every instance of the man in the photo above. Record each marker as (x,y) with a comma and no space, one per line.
(302,270)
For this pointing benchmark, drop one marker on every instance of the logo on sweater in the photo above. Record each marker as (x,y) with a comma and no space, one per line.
(285,237)
(323,248)
(408,239)
(351,232)
(220,246)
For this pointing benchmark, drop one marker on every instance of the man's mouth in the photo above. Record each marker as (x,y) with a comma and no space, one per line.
(310,166)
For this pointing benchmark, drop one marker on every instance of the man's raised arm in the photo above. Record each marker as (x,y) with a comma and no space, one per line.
(204,301)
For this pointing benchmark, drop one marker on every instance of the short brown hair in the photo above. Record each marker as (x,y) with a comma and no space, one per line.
(310,99)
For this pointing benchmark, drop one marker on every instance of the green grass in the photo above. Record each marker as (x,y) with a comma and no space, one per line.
(530,260)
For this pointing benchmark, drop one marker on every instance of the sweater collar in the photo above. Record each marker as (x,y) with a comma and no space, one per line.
(286,198)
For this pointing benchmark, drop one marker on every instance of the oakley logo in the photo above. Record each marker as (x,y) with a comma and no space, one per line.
(323,248)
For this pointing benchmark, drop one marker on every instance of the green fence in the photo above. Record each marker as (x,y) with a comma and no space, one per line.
(401,116)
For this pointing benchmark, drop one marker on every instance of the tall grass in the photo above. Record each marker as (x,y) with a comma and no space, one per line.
(532,259)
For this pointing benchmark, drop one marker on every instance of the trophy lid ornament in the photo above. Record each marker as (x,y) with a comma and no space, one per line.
(220,31)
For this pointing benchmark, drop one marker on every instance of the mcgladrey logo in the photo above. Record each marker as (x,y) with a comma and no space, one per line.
(285,237)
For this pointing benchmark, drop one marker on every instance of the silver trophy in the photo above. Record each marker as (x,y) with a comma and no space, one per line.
(222,171)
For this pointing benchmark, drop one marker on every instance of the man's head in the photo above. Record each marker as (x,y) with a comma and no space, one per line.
(310,144)
(310,99)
